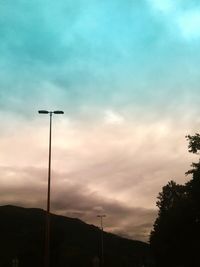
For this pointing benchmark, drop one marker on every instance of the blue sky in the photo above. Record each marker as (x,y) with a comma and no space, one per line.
(126,73)
(98,54)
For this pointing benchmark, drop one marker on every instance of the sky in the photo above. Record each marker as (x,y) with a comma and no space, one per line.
(126,75)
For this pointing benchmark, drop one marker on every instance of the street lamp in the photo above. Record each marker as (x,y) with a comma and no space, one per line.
(47,232)
(101,216)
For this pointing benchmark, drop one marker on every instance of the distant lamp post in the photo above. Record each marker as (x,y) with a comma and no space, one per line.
(101,216)
(47,230)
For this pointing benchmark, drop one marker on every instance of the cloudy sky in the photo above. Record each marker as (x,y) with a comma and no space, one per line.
(126,74)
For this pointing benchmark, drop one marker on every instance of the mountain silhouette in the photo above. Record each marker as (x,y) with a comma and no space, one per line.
(73,243)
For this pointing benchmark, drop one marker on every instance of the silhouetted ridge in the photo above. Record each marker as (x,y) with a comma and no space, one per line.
(73,242)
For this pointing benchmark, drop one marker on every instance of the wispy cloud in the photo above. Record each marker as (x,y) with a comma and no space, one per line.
(165,6)
(182,18)
(189,23)
(118,169)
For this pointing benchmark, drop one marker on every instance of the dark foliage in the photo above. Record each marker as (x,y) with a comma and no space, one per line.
(73,242)
(194,143)
(176,234)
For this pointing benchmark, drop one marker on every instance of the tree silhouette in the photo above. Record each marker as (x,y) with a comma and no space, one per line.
(176,233)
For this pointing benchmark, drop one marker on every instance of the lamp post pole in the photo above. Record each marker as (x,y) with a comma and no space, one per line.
(102,245)
(47,228)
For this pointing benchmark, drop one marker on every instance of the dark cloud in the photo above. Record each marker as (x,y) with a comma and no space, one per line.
(26,188)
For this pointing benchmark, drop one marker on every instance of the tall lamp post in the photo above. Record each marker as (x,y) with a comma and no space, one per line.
(102,247)
(47,229)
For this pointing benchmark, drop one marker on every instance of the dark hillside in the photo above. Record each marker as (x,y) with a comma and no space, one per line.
(73,242)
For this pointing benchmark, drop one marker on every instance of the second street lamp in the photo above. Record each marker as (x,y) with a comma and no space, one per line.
(102,245)
(47,228)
